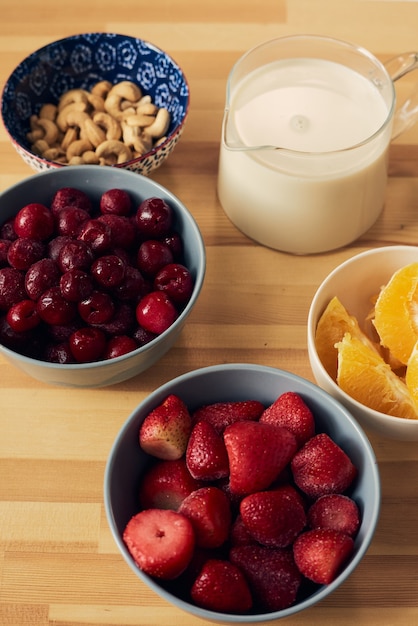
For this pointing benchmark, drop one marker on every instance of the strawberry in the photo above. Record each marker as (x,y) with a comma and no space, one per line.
(321,467)
(335,511)
(240,535)
(274,518)
(321,554)
(165,431)
(165,485)
(222,414)
(257,454)
(221,586)
(272,574)
(290,411)
(160,542)
(206,455)
(209,511)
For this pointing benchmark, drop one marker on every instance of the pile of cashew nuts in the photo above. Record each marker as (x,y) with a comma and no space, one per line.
(108,125)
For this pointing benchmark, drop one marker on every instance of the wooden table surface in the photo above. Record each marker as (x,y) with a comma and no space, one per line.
(58,562)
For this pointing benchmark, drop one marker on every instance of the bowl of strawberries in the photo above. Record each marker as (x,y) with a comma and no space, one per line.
(241,493)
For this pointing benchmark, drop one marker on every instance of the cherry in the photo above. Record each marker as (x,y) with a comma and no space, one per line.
(119,345)
(70,196)
(123,231)
(88,344)
(25,251)
(154,218)
(53,308)
(69,220)
(12,287)
(133,287)
(152,256)
(108,271)
(75,254)
(58,353)
(142,336)
(23,316)
(55,245)
(40,276)
(17,341)
(7,230)
(98,308)
(96,234)
(176,281)
(34,221)
(76,285)
(4,248)
(116,202)
(175,243)
(122,323)
(155,312)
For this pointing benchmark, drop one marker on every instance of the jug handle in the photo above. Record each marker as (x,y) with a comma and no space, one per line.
(407,113)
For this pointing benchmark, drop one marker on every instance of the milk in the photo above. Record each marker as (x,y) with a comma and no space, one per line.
(316,111)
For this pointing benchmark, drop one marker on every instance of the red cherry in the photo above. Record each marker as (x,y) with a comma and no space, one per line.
(23,316)
(116,202)
(119,345)
(88,344)
(34,221)
(155,312)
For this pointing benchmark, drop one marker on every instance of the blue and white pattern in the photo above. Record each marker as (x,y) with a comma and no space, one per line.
(79,62)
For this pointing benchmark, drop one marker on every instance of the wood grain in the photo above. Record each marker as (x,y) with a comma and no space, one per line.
(58,562)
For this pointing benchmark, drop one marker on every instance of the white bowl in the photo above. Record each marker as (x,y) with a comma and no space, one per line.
(354,282)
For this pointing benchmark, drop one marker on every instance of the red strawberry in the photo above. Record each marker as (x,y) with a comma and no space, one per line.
(166,484)
(321,554)
(321,467)
(257,454)
(240,535)
(222,414)
(272,574)
(165,431)
(290,411)
(274,518)
(209,511)
(160,542)
(335,511)
(206,455)
(221,586)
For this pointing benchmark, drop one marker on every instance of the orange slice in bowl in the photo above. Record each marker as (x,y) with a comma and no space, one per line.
(365,376)
(396,313)
(334,322)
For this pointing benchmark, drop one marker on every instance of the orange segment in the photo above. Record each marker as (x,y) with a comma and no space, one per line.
(334,322)
(366,377)
(396,313)
(411,376)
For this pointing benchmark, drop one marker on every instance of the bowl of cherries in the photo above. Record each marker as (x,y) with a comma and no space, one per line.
(99,270)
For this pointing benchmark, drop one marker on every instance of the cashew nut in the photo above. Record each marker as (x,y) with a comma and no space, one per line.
(101,88)
(96,102)
(109,124)
(71,134)
(160,124)
(114,151)
(125,90)
(77,148)
(93,132)
(71,96)
(61,120)
(48,111)
(50,129)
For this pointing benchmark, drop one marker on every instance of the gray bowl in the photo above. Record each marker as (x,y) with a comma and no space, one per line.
(94,180)
(127,462)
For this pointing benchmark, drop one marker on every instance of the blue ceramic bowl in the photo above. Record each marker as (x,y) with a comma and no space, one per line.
(81,61)
(127,463)
(94,180)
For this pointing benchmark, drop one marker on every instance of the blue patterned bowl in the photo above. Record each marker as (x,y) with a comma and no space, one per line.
(80,61)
